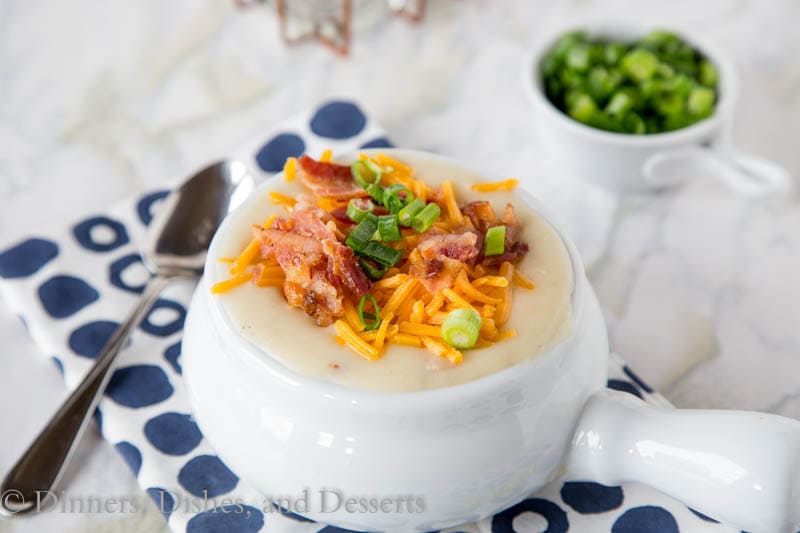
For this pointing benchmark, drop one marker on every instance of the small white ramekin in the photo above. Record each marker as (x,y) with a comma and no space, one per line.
(625,162)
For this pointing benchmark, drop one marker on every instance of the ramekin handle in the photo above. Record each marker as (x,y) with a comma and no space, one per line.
(746,174)
(737,467)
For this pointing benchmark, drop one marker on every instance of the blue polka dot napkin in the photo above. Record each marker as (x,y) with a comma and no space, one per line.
(73,285)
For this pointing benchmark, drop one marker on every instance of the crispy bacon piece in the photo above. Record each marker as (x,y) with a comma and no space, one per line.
(318,268)
(459,246)
(436,274)
(307,285)
(343,267)
(482,216)
(328,180)
(512,254)
(443,256)
(312,221)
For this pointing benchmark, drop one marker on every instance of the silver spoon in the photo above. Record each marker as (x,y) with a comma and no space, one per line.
(178,240)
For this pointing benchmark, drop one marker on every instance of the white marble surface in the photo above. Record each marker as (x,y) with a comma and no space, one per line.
(99,100)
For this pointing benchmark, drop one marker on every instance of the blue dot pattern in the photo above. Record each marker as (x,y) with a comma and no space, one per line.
(98,418)
(131,455)
(172,354)
(73,289)
(144,207)
(166,329)
(59,364)
(380,142)
(26,258)
(62,296)
(273,155)
(139,386)
(624,386)
(645,519)
(701,516)
(206,475)
(556,518)
(590,498)
(163,499)
(637,380)
(338,120)
(228,518)
(89,339)
(120,266)
(173,433)
(84,234)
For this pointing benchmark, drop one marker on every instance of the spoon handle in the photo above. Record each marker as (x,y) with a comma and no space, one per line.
(36,474)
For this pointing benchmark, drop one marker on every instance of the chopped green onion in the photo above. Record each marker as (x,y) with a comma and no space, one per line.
(381,253)
(387,228)
(392,199)
(405,215)
(619,104)
(708,73)
(582,108)
(601,82)
(376,318)
(425,218)
(376,191)
(358,209)
(366,172)
(461,328)
(578,57)
(495,241)
(633,123)
(639,64)
(668,102)
(613,53)
(701,101)
(362,233)
(372,271)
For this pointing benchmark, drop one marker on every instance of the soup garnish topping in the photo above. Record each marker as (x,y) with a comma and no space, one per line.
(387,259)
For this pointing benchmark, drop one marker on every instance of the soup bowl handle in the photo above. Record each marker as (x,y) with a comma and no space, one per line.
(735,466)
(746,174)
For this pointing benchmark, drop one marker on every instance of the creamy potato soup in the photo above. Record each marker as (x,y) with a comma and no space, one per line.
(539,318)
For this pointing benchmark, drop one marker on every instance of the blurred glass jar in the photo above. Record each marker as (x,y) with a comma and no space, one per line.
(332,22)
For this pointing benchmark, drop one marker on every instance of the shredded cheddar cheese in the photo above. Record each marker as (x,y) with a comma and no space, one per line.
(247,257)
(521,281)
(281,199)
(422,330)
(453,211)
(228,284)
(456,299)
(503,310)
(417,312)
(290,169)
(326,156)
(407,340)
(466,288)
(435,304)
(443,350)
(505,185)
(355,342)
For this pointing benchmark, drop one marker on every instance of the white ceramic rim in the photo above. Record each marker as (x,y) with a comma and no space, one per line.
(728,87)
(441,396)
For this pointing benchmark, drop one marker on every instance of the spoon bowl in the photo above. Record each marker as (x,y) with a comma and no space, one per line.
(190,215)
